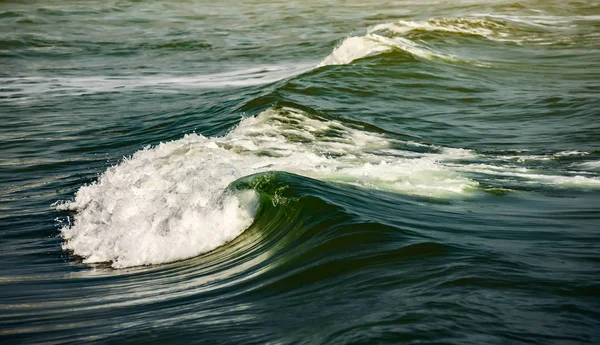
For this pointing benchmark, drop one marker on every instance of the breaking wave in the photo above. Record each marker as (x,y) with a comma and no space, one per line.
(172,201)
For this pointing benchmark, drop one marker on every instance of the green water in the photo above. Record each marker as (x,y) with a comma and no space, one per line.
(300,172)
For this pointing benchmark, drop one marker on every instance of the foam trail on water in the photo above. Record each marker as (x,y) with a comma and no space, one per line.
(27,87)
(591,165)
(527,176)
(519,30)
(469,26)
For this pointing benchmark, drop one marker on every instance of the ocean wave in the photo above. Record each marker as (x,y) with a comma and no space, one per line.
(170,202)
(411,36)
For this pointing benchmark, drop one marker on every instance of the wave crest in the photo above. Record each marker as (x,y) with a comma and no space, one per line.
(359,47)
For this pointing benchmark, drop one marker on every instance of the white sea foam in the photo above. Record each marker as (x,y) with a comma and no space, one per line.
(544,157)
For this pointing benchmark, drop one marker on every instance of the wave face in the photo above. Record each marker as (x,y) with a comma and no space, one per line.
(332,172)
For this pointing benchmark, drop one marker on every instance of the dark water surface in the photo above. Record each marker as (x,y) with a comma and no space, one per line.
(300,172)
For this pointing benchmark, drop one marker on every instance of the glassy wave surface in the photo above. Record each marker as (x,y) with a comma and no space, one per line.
(300,172)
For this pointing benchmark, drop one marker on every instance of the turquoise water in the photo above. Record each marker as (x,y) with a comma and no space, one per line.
(300,172)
